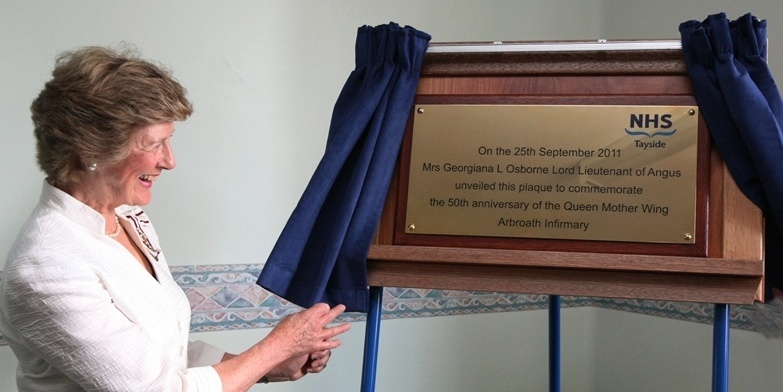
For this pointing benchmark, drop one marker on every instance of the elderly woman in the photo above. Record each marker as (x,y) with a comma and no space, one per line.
(87,301)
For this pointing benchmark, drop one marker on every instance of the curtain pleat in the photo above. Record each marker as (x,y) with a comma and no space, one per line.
(740,102)
(320,255)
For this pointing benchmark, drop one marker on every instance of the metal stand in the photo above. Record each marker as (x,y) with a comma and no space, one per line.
(720,349)
(720,357)
(554,343)
(372,339)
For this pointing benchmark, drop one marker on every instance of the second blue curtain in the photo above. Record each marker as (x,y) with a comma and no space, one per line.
(741,104)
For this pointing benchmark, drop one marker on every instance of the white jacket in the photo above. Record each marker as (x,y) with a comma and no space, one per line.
(80,313)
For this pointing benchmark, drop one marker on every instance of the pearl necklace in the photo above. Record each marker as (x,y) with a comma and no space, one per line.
(118,230)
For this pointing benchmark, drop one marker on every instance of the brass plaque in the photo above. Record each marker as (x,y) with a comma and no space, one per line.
(581,172)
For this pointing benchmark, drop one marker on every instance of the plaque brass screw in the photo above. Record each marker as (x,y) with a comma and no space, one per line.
(411,227)
(688,236)
(420,110)
(691,112)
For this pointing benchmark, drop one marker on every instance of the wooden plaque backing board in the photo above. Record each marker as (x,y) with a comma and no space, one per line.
(724,265)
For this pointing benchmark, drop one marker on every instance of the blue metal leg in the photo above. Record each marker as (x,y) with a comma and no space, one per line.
(720,349)
(371,340)
(554,343)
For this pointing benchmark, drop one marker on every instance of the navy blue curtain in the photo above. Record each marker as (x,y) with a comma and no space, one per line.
(321,253)
(741,104)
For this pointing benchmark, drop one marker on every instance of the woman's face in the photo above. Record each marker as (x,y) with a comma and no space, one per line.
(130,180)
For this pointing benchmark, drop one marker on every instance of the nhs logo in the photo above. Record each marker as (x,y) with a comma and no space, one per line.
(650,125)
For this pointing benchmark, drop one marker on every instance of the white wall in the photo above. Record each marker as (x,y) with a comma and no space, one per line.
(660,19)
(263,76)
(649,354)
(494,352)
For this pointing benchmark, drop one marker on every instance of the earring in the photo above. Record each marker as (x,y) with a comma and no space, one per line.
(92,166)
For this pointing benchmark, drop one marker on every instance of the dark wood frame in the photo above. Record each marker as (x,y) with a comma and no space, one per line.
(724,266)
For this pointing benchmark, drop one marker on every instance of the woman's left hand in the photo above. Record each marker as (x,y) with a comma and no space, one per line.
(297,367)
(317,361)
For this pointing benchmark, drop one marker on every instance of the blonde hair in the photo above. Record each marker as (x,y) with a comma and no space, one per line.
(91,109)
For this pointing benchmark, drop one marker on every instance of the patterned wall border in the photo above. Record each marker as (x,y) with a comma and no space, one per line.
(225,297)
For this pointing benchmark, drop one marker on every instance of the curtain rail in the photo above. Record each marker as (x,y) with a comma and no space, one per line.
(599,45)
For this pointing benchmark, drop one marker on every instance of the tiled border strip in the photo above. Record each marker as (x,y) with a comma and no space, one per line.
(225,297)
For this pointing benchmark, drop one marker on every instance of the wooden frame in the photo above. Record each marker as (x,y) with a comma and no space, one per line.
(724,266)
